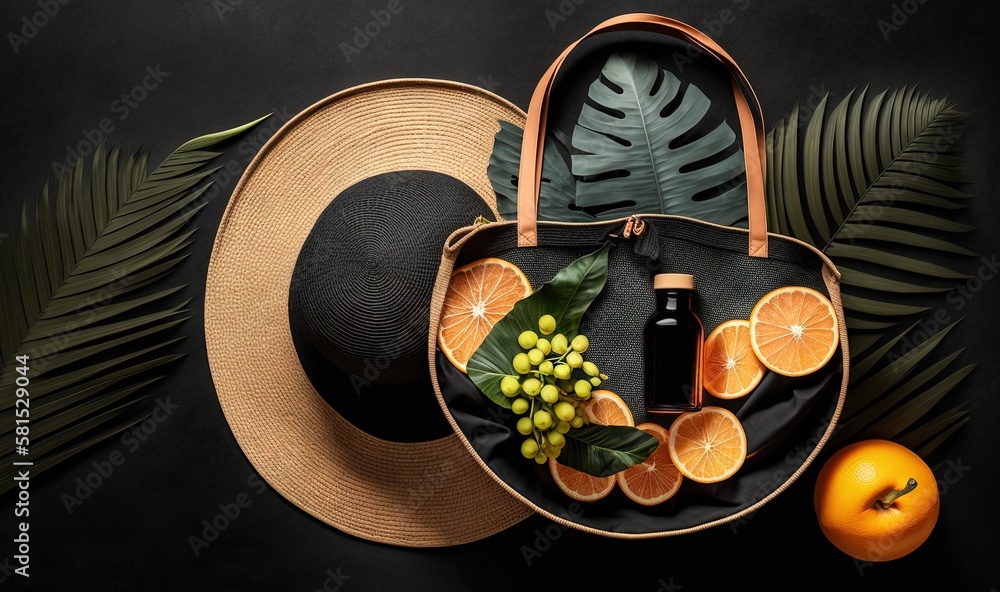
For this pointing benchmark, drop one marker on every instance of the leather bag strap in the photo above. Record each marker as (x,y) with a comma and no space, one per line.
(747,106)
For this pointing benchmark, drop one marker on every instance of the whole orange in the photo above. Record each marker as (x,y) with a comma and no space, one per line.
(876,500)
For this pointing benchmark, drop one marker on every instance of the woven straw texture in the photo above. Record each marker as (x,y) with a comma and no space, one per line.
(410,494)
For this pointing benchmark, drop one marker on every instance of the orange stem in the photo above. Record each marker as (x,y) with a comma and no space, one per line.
(895,494)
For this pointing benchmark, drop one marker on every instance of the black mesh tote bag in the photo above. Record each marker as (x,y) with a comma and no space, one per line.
(787,419)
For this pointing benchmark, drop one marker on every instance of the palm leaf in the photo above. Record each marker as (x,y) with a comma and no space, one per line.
(874,182)
(70,274)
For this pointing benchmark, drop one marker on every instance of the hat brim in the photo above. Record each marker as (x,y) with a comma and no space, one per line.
(419,494)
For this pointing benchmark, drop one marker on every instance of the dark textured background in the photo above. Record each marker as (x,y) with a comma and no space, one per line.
(229,62)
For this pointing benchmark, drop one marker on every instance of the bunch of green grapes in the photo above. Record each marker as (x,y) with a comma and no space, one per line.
(551,383)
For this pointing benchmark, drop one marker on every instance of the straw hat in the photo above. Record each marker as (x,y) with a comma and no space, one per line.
(410,493)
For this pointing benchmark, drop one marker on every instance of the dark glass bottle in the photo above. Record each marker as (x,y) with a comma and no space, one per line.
(673,347)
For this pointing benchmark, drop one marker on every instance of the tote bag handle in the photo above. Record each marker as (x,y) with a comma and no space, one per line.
(747,106)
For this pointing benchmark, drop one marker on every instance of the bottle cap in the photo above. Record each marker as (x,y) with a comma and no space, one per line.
(673,281)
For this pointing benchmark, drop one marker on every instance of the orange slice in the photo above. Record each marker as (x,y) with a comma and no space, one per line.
(731,368)
(707,446)
(581,486)
(607,408)
(656,479)
(793,330)
(479,294)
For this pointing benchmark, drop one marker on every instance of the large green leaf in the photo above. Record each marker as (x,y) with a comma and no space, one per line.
(875,182)
(566,297)
(67,274)
(557,191)
(605,450)
(592,449)
(632,152)
(633,147)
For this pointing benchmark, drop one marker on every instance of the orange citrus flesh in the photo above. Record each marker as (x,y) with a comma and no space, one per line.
(731,368)
(479,294)
(707,446)
(656,479)
(794,330)
(579,485)
(848,491)
(607,408)
(604,408)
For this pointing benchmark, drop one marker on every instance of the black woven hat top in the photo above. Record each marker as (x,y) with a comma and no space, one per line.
(362,283)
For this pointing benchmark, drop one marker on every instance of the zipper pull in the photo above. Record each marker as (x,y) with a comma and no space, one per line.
(646,244)
(633,226)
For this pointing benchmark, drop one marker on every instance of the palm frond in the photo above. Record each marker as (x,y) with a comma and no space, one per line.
(875,182)
(71,321)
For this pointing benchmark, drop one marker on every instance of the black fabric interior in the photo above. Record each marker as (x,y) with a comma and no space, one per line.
(784,417)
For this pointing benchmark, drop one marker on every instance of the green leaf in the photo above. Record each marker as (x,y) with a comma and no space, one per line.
(925,450)
(67,279)
(557,191)
(875,177)
(602,451)
(916,407)
(861,279)
(862,393)
(878,172)
(933,427)
(627,154)
(851,425)
(566,297)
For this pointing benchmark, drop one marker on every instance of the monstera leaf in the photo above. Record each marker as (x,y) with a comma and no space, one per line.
(630,154)
(875,182)
(557,192)
(631,147)
(78,334)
